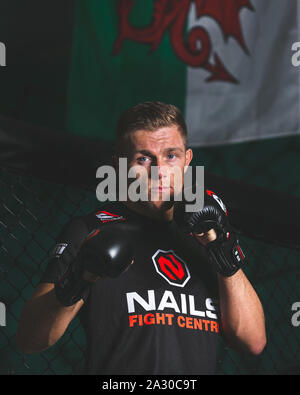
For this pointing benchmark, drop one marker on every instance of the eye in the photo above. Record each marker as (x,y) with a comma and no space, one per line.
(142,159)
(171,156)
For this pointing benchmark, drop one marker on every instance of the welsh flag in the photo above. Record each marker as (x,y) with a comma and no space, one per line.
(227,64)
(231,66)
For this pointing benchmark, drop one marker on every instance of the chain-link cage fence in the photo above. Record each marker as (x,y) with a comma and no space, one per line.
(33,212)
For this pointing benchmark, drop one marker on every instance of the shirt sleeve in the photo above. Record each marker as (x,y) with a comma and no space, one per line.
(72,236)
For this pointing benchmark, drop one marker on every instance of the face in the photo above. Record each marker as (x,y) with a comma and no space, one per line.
(162,157)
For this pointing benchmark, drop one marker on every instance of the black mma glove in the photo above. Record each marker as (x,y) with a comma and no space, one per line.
(70,287)
(107,252)
(224,252)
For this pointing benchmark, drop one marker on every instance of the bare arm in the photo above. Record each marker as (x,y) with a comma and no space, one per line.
(242,315)
(43,320)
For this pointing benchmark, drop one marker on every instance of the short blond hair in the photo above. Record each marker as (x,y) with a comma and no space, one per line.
(148,116)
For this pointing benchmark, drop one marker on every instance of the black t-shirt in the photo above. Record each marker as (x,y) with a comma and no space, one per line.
(158,317)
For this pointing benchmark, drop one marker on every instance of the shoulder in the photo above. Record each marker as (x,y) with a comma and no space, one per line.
(80,228)
(109,213)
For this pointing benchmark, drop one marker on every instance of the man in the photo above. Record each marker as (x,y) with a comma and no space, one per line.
(153,294)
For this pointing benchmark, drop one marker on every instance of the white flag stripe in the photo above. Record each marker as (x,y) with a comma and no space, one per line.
(265,102)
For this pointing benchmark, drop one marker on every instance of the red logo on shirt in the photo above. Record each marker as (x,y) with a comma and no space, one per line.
(105,216)
(172,268)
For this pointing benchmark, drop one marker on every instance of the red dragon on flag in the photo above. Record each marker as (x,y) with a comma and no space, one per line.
(171,15)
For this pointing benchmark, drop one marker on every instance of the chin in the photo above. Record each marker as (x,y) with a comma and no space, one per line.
(161,205)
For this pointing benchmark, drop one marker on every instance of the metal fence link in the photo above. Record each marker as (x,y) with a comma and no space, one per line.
(32,213)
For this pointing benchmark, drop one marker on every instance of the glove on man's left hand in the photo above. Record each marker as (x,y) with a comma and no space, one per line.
(224,252)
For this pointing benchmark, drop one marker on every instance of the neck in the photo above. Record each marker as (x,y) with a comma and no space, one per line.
(150,210)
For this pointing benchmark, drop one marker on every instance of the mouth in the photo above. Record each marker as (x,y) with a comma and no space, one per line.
(160,189)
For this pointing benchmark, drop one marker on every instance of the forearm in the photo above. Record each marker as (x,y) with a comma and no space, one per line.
(242,315)
(43,320)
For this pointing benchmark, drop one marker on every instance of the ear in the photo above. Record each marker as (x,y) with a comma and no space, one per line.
(188,156)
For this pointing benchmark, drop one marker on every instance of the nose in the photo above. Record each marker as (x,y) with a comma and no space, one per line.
(158,171)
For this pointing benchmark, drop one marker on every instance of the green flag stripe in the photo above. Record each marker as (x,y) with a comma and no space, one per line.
(102,85)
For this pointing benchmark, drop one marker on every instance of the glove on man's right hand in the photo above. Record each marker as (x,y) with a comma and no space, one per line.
(107,252)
